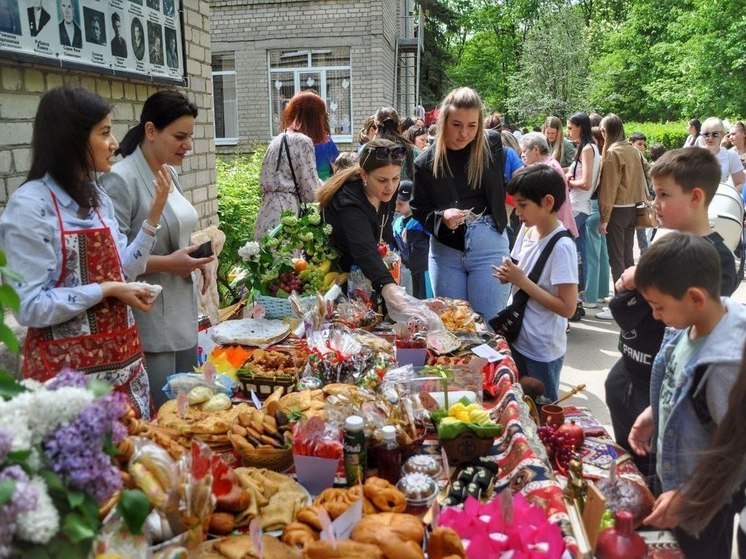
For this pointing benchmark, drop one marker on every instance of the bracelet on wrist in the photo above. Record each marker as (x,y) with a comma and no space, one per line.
(150,228)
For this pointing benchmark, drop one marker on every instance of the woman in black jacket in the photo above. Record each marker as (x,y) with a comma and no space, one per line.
(459,196)
(359,204)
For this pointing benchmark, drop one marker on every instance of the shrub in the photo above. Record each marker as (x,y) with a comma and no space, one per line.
(239,198)
(670,134)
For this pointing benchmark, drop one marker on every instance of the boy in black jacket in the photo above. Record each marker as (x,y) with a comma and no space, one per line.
(413,242)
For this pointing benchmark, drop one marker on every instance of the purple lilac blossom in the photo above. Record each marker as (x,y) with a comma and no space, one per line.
(75,451)
(24,499)
(68,378)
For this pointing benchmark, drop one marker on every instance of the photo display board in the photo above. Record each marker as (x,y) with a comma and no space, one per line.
(138,38)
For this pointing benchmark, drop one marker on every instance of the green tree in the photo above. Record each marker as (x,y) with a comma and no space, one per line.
(552,78)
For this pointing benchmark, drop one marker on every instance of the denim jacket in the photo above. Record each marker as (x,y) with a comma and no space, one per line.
(685,436)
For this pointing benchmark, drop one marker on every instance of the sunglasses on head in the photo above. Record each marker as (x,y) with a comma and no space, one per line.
(382,153)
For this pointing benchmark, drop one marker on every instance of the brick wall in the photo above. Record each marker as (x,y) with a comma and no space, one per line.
(22,85)
(251,28)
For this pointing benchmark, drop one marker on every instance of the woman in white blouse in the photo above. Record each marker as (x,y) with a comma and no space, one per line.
(731,167)
(59,232)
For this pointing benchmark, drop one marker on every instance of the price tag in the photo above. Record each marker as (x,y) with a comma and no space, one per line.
(256,401)
(327,530)
(210,372)
(444,458)
(255,531)
(345,522)
(488,352)
(182,403)
(435,514)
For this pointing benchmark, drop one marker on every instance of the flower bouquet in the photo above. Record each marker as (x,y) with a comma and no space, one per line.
(57,441)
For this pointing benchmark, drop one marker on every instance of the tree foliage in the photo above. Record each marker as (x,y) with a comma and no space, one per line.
(651,60)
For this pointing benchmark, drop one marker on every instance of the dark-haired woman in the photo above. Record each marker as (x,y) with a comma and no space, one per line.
(694,139)
(358,203)
(159,142)
(460,179)
(289,177)
(59,232)
(386,127)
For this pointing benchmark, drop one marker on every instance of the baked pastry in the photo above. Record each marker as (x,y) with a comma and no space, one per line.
(384,495)
(299,535)
(345,549)
(444,543)
(355,493)
(221,523)
(242,547)
(376,528)
(333,500)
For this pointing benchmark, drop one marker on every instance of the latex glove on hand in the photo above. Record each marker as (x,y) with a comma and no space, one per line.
(404,308)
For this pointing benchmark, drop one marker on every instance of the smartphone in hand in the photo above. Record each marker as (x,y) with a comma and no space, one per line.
(203,251)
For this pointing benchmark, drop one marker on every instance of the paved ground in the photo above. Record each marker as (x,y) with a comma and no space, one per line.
(591,351)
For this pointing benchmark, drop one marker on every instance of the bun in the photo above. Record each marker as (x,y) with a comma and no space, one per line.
(237,500)
(299,535)
(222,523)
(346,549)
(444,543)
(310,516)
(333,500)
(356,493)
(385,496)
(377,528)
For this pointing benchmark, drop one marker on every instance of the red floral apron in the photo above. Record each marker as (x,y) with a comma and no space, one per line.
(102,341)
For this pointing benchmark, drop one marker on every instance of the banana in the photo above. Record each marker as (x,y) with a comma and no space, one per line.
(329,279)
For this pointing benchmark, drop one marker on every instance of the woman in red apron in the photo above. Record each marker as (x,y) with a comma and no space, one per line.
(59,232)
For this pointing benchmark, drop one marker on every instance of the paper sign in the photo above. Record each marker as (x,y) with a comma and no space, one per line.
(345,522)
(327,530)
(488,352)
(255,531)
(210,372)
(257,402)
(444,457)
(435,514)
(182,403)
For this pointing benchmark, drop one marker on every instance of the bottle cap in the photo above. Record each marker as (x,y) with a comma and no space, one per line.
(354,423)
(389,433)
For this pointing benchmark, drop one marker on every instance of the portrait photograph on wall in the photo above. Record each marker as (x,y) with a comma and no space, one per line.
(128,37)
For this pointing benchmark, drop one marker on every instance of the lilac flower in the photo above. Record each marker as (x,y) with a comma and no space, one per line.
(75,451)
(68,377)
(24,500)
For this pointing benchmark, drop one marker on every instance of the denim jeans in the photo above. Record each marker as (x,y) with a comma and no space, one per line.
(642,238)
(580,242)
(468,275)
(597,271)
(546,372)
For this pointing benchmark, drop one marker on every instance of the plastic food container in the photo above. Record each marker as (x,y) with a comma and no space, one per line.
(420,491)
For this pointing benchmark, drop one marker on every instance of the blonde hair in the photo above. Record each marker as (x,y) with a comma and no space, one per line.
(558,148)
(713,124)
(364,162)
(462,98)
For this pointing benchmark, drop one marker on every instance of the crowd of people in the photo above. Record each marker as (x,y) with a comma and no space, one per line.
(477,210)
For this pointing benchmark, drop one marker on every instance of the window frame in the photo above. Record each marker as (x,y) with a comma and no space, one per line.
(297,87)
(225,141)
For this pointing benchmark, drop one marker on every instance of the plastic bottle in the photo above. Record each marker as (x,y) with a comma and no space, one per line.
(354,450)
(389,456)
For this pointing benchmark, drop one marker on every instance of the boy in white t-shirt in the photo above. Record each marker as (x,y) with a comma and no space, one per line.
(540,347)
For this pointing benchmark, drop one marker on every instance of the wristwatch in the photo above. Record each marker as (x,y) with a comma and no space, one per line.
(149,228)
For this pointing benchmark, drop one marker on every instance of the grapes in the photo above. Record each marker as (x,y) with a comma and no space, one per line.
(313,278)
(288,282)
(557,444)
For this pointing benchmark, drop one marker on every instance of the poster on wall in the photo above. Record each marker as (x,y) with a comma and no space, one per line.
(139,38)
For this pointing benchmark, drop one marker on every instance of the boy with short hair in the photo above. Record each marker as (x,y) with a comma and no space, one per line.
(692,376)
(413,242)
(638,140)
(541,345)
(685,182)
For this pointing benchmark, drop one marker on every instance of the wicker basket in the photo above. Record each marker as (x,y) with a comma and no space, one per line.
(277,307)
(264,385)
(275,459)
(466,448)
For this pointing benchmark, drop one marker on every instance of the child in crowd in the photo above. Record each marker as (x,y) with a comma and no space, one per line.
(639,141)
(540,347)
(692,377)
(413,242)
(685,182)
(656,151)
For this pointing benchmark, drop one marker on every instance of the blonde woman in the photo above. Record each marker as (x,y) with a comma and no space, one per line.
(563,150)
(459,197)
(731,168)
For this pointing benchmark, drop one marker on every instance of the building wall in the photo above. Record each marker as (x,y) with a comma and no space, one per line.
(22,85)
(251,28)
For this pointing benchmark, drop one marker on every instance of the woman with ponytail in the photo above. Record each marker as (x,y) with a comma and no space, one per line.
(59,232)
(159,142)
(386,127)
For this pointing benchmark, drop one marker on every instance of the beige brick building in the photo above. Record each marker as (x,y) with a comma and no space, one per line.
(23,84)
(265,51)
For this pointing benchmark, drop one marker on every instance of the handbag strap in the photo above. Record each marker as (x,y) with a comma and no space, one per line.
(647,193)
(286,148)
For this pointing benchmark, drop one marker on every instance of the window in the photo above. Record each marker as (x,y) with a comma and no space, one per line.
(224,99)
(326,71)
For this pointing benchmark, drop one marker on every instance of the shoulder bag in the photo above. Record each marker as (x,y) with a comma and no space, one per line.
(302,210)
(509,321)
(645,213)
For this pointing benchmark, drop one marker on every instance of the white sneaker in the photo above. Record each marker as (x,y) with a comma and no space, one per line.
(605,314)
(604,300)
(588,305)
